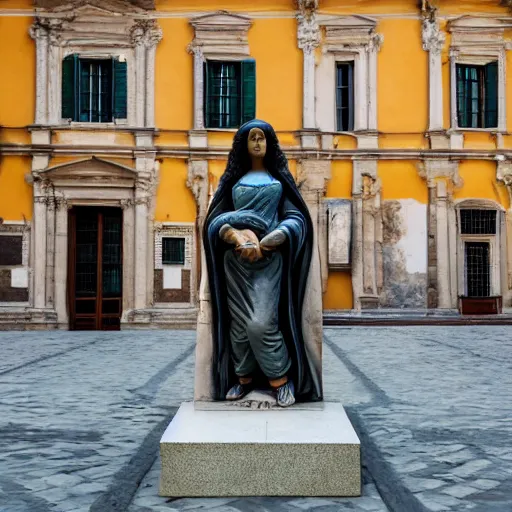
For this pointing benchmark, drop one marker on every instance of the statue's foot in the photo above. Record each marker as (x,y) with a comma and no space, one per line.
(238,391)
(286,394)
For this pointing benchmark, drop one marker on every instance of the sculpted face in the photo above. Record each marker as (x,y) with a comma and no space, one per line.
(256,143)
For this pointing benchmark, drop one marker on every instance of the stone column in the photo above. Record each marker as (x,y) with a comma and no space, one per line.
(367,240)
(197,51)
(138,37)
(441,176)
(197,182)
(360,94)
(141,242)
(504,176)
(433,42)
(54,84)
(39,33)
(372,49)
(39,265)
(153,37)
(444,299)
(308,36)
(129,243)
(50,251)
(61,259)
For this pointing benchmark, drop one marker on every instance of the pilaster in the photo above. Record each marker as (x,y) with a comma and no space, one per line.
(433,42)
(61,258)
(308,37)
(367,273)
(442,176)
(504,176)
(39,33)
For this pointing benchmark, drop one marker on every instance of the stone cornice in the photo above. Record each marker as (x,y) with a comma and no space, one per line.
(88,151)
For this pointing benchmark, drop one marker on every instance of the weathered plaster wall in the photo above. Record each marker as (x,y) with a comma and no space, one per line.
(404,254)
(15,192)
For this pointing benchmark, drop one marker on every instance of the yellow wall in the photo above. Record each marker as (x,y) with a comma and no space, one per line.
(17,76)
(175,202)
(278,97)
(340,184)
(339,291)
(479,181)
(403,92)
(400,180)
(15,192)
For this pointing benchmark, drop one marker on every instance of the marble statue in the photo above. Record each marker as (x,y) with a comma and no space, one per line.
(258,242)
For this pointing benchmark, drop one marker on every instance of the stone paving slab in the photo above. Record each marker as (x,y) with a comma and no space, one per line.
(432,406)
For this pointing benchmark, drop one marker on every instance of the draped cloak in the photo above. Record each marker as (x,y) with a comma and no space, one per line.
(296,253)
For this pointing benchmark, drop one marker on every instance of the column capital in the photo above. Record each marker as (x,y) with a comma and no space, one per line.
(432,36)
(308,31)
(146,33)
(433,171)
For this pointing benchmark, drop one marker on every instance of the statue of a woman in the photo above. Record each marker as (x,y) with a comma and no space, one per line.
(258,239)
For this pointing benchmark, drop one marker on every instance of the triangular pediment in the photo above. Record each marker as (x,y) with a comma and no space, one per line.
(220,19)
(476,23)
(354,22)
(86,8)
(92,170)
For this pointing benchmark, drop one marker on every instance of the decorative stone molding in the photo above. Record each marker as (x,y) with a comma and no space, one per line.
(95,29)
(433,42)
(477,40)
(89,182)
(504,175)
(308,39)
(442,177)
(222,36)
(312,178)
(367,273)
(174,230)
(349,38)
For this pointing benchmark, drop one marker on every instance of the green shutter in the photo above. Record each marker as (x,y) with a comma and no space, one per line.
(70,87)
(119,89)
(248,109)
(84,112)
(491,95)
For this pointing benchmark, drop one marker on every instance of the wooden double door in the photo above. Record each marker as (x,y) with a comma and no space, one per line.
(95,268)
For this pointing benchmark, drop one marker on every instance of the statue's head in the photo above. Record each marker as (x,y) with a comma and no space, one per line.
(255,138)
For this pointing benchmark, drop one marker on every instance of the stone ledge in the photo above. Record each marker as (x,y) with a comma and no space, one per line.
(27,319)
(260,453)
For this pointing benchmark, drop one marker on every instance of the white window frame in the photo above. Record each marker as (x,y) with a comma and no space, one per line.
(478,41)
(218,36)
(476,58)
(495,242)
(348,38)
(101,54)
(67,30)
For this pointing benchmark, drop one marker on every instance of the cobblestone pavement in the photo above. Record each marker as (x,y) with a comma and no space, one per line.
(81,413)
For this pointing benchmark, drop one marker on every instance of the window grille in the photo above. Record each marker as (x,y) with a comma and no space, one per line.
(478,222)
(344,96)
(478,271)
(173,251)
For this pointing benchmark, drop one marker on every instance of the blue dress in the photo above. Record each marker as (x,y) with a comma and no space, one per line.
(254,289)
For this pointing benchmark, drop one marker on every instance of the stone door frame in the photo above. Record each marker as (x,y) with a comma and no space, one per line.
(89,182)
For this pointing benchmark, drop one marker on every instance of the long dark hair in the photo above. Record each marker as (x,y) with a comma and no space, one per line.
(239,161)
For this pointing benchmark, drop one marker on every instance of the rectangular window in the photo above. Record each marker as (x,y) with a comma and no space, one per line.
(11,247)
(94,90)
(344,96)
(478,222)
(230,93)
(477,267)
(477,95)
(173,251)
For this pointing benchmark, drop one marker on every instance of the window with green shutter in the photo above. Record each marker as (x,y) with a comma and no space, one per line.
(230,93)
(94,90)
(477,95)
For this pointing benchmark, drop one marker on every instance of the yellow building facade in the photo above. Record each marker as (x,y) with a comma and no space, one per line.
(117,116)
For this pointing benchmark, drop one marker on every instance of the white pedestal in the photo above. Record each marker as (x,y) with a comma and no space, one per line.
(276,452)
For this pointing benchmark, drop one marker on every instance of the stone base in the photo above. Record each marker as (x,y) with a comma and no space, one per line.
(160,318)
(287,452)
(27,319)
